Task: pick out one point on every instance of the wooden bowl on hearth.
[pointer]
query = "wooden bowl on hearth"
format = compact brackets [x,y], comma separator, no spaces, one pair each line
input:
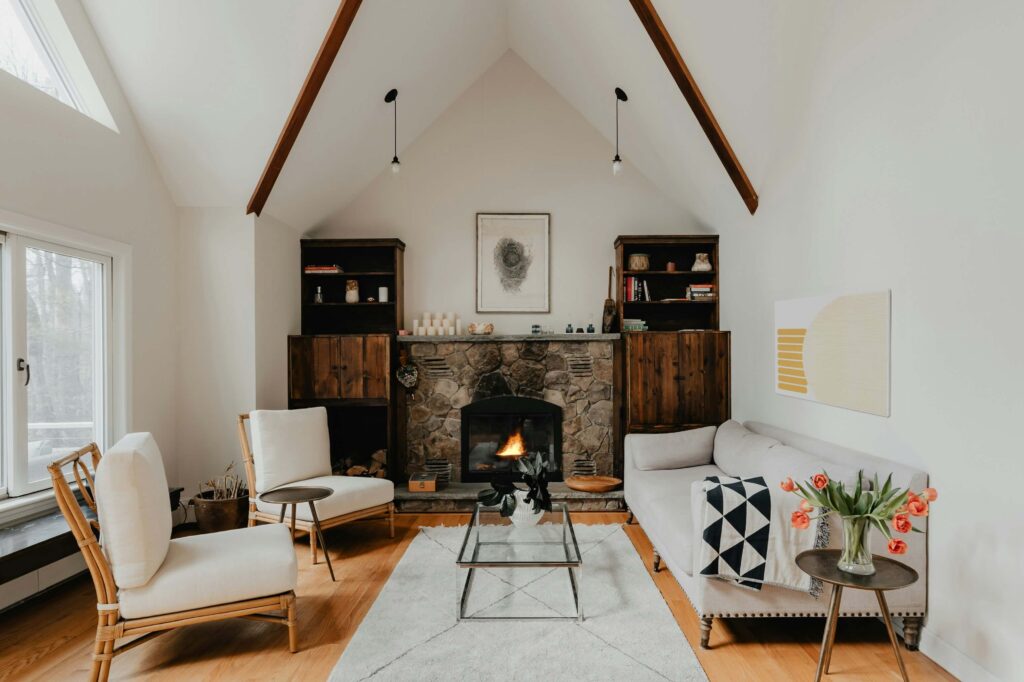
[593,484]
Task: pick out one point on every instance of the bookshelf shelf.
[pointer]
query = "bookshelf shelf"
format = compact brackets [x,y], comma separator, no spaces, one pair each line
[660,283]
[381,273]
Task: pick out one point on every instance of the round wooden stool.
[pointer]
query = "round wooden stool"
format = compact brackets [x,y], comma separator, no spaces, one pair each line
[298,495]
[889,575]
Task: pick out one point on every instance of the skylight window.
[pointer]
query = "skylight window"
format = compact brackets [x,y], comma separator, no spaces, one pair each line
[36,46]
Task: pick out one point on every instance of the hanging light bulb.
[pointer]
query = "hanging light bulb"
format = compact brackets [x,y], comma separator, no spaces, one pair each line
[620,96]
[392,98]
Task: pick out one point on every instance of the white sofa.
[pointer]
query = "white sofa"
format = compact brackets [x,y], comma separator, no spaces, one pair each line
[661,471]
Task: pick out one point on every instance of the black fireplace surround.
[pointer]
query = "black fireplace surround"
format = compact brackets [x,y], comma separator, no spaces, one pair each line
[488,424]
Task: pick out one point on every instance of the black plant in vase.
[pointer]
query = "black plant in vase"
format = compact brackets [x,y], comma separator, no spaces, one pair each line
[534,468]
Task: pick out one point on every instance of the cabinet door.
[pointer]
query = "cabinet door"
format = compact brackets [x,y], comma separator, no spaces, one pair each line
[325,367]
[351,378]
[377,367]
[704,377]
[652,367]
[300,367]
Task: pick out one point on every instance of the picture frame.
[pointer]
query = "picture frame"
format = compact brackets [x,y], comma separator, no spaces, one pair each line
[513,262]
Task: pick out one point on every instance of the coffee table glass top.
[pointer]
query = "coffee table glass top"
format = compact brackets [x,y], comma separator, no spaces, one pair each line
[493,541]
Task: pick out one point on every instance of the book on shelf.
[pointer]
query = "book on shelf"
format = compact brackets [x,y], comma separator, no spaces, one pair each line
[322,270]
[636,289]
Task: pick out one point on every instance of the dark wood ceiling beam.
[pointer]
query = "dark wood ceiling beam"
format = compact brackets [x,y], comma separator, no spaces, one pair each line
[688,86]
[343,19]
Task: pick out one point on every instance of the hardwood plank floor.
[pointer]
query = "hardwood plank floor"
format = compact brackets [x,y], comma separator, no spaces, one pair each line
[51,637]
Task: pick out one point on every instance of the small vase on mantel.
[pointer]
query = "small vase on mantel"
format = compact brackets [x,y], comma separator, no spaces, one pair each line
[856,555]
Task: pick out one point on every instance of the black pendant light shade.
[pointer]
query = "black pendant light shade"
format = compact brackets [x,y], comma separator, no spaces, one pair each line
[392,98]
[620,96]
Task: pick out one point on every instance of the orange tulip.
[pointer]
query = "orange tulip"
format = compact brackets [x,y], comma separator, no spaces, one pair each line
[806,506]
[930,494]
[901,522]
[819,481]
[918,507]
[788,485]
[897,546]
[800,520]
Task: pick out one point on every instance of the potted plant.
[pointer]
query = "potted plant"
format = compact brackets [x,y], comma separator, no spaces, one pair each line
[523,507]
[222,503]
[861,510]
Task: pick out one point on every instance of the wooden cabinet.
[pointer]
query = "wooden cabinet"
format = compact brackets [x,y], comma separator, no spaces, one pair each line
[676,380]
[340,367]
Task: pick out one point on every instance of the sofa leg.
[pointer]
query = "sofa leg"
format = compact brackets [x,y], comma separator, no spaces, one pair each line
[705,632]
[657,561]
[911,632]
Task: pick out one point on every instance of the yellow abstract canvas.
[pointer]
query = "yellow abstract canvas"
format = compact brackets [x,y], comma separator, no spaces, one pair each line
[835,350]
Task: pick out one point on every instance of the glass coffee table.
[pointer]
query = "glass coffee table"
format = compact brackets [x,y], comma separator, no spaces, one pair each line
[492,542]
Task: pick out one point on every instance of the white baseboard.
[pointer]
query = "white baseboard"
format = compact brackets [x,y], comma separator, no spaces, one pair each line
[952,659]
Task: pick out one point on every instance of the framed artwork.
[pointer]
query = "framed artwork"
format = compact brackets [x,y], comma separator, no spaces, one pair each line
[835,350]
[513,262]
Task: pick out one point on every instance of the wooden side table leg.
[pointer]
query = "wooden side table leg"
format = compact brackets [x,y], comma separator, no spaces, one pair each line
[887,619]
[294,506]
[281,518]
[829,638]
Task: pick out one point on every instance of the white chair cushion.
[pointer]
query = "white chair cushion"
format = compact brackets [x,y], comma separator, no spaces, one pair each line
[133,508]
[672,450]
[351,494]
[216,568]
[289,446]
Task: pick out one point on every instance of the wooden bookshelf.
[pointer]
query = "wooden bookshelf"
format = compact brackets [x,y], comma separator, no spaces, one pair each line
[661,314]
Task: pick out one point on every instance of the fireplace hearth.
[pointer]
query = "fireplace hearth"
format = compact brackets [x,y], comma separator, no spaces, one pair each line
[497,431]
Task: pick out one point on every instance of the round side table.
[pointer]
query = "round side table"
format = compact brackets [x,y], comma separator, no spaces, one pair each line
[295,496]
[889,575]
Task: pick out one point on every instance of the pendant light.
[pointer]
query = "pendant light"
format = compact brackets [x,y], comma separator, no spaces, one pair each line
[620,96]
[392,98]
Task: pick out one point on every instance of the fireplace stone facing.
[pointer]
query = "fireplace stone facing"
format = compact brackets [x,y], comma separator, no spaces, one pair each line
[578,374]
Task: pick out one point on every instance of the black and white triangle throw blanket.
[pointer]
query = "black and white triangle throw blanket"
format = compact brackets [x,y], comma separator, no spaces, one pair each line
[747,536]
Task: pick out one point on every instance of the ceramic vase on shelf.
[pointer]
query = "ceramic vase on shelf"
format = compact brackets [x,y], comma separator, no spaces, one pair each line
[639,261]
[524,516]
[856,555]
[351,291]
[702,263]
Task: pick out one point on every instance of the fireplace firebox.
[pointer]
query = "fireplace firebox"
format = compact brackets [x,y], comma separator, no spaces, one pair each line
[496,431]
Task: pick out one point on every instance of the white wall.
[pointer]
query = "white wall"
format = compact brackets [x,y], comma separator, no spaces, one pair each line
[61,166]
[216,339]
[906,176]
[277,308]
[509,143]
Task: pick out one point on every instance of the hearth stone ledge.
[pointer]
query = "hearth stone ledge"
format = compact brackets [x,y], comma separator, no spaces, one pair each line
[508,338]
[461,498]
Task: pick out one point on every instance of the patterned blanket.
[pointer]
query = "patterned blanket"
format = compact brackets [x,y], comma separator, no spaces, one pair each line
[748,538]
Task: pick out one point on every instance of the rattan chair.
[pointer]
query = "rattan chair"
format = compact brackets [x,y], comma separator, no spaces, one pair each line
[354,497]
[111,625]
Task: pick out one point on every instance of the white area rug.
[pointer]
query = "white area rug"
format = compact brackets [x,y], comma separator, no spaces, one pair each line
[411,632]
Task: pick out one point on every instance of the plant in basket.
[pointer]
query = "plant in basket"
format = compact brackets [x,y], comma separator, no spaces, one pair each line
[884,507]
[508,496]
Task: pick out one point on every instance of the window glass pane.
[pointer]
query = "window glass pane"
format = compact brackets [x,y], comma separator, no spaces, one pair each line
[64,324]
[22,53]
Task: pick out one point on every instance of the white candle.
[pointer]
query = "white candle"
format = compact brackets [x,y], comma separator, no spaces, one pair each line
[382,294]
[458,327]
[426,317]
[415,326]
[451,331]
[445,322]
[450,316]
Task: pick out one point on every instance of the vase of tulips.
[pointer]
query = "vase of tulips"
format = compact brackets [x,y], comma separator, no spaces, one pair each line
[884,507]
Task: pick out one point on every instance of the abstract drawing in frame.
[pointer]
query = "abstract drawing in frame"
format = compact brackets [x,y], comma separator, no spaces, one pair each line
[835,350]
[512,262]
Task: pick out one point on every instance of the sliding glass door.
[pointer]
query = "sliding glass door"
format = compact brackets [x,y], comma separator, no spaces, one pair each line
[57,359]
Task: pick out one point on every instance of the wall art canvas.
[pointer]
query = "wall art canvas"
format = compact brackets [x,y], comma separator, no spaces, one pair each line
[835,350]
[512,262]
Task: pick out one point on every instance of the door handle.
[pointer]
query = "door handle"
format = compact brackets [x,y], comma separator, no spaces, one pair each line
[26,368]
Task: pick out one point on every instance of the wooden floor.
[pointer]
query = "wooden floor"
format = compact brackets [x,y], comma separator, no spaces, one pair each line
[51,637]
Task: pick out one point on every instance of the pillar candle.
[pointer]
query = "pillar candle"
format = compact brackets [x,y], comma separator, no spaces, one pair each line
[458,327]
[415,326]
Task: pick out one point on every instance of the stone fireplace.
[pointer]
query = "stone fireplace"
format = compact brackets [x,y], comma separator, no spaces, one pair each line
[496,431]
[574,375]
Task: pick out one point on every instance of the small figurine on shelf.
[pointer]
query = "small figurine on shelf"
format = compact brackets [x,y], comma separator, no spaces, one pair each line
[590,328]
[702,263]
[568,328]
[351,291]
[318,297]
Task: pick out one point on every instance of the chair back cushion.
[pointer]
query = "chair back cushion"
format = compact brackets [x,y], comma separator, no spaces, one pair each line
[289,446]
[133,508]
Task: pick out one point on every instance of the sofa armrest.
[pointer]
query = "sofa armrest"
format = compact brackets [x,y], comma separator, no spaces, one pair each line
[675,450]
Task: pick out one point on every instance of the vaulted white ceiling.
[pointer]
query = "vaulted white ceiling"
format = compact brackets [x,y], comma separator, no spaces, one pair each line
[212,81]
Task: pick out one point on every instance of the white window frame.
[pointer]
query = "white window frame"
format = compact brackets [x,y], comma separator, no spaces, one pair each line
[117,304]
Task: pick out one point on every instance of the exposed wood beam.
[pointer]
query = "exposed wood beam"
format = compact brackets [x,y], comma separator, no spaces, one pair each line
[343,19]
[688,86]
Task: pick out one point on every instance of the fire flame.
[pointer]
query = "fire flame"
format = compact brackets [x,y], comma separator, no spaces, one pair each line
[514,446]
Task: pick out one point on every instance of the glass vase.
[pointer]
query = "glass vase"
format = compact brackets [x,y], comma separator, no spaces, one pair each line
[856,555]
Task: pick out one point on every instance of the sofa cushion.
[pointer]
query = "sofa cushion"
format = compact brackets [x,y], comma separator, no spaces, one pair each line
[672,450]
[661,502]
[289,446]
[216,568]
[739,452]
[351,494]
[134,516]
[783,461]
